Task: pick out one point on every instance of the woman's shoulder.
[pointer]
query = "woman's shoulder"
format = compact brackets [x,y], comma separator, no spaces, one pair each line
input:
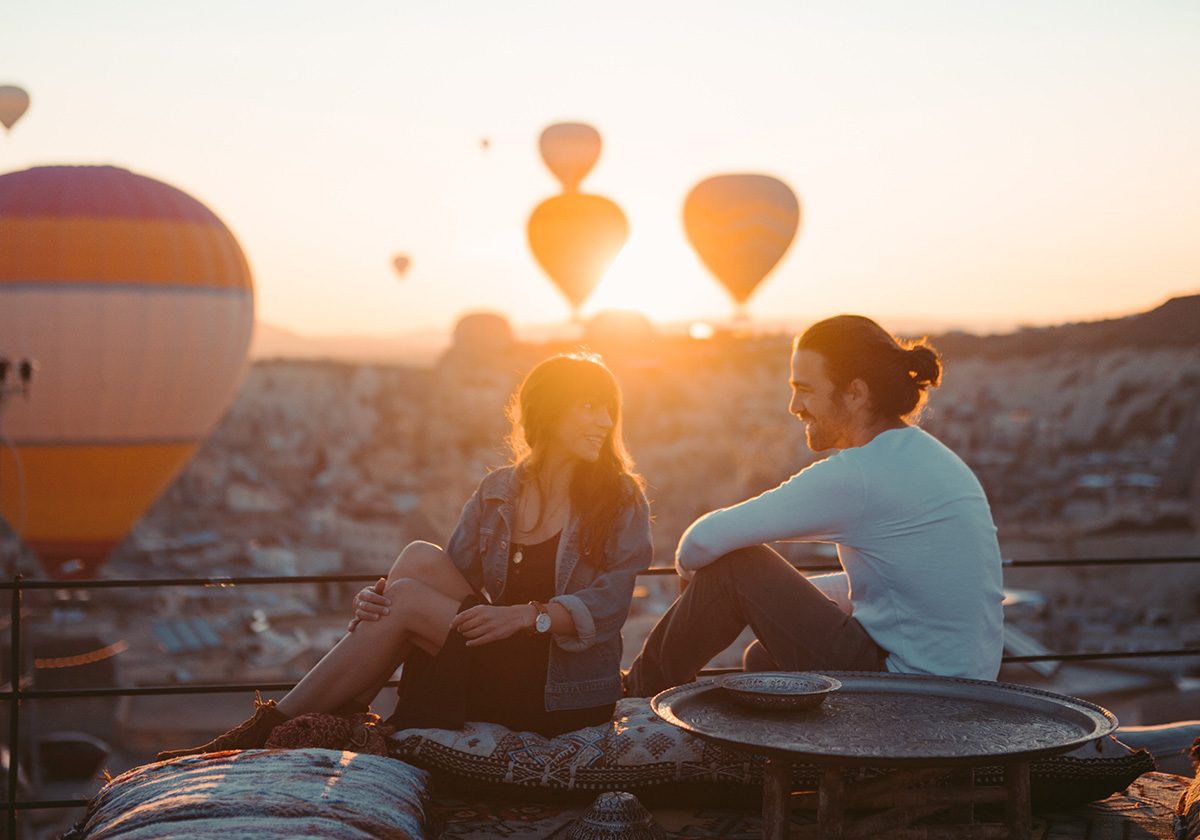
[633,492]
[499,482]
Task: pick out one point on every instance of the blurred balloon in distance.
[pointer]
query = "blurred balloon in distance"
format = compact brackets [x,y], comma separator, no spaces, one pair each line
[570,150]
[575,237]
[740,226]
[619,328]
[482,334]
[485,332]
[14,102]
[137,303]
[400,263]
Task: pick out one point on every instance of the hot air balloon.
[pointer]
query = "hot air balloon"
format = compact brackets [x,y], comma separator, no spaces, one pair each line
[570,150]
[137,303]
[13,103]
[401,262]
[575,238]
[741,225]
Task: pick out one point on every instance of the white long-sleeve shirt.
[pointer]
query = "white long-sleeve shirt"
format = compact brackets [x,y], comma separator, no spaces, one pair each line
[915,537]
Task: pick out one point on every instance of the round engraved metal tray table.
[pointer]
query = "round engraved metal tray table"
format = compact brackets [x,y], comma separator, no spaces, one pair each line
[923,726]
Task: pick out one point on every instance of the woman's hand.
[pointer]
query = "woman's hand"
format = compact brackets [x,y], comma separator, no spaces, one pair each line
[370,604]
[485,624]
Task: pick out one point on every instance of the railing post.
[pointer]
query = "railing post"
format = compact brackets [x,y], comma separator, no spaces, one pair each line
[14,707]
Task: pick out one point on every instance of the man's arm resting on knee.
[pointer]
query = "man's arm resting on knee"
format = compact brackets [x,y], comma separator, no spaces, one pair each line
[819,503]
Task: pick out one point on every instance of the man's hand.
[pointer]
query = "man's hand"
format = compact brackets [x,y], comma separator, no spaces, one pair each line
[370,604]
[485,624]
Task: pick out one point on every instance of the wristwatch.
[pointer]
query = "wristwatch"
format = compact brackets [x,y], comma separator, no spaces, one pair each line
[541,624]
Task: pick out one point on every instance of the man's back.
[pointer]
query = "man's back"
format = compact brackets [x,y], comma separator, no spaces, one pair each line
[922,561]
[914,534]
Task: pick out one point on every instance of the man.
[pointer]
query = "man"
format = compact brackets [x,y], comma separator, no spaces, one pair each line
[922,586]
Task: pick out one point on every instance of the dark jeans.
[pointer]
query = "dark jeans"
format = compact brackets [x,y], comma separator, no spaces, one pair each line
[800,628]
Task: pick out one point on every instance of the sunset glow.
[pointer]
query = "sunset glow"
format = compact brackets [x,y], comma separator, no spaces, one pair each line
[663,281]
[976,165]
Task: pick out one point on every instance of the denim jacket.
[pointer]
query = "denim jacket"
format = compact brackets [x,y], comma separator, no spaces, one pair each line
[584,667]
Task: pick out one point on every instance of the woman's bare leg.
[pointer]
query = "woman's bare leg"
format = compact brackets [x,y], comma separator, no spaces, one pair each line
[362,661]
[429,564]
[420,616]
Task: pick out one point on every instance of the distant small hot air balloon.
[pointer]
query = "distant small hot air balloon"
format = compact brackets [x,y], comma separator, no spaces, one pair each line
[570,150]
[400,263]
[13,103]
[741,225]
[136,301]
[575,238]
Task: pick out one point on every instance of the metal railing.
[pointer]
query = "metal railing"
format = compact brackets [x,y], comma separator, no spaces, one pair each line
[15,694]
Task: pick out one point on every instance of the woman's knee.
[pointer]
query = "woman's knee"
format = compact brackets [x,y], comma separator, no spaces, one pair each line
[420,609]
[415,560]
[405,593]
[405,589]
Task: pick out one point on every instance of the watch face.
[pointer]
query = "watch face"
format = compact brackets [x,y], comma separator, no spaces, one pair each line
[542,625]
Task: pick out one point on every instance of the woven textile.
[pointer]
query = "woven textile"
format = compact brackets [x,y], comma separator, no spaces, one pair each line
[638,749]
[262,794]
[361,733]
[1187,812]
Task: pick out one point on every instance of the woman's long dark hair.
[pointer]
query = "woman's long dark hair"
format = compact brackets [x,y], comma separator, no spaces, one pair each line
[598,490]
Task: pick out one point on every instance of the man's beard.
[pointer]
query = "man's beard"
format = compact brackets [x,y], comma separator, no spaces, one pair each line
[818,437]
[829,432]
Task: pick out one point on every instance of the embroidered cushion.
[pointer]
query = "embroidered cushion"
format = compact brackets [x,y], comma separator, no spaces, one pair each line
[638,750]
[1086,774]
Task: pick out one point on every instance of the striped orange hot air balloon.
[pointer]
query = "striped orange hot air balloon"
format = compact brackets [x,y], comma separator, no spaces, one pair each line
[136,302]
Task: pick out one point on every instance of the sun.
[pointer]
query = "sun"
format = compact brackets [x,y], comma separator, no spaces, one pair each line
[660,277]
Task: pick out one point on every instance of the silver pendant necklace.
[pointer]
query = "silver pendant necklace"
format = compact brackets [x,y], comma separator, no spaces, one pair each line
[519,548]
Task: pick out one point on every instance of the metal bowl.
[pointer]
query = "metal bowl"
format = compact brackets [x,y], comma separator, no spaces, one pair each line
[779,691]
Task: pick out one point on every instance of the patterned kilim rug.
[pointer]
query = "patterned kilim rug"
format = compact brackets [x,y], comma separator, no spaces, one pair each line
[1143,812]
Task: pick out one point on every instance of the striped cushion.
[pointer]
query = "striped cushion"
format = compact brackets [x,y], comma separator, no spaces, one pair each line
[261,794]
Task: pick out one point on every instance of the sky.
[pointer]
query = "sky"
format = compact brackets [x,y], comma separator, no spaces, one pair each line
[968,163]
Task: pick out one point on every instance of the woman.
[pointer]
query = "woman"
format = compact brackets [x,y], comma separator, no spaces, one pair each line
[518,621]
